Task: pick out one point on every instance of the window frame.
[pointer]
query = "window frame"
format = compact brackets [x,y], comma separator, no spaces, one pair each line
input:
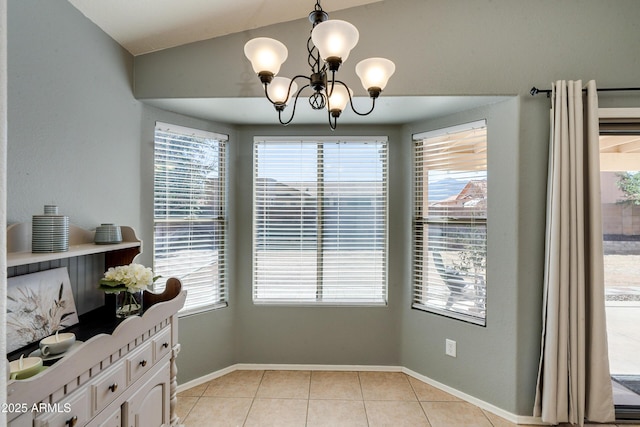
[421,250]
[219,220]
[332,302]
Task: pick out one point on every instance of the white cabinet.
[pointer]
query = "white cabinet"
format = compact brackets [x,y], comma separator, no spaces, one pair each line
[127,378]
[69,412]
[148,407]
[145,403]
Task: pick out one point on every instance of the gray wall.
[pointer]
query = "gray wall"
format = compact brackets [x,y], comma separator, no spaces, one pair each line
[458,47]
[73,130]
[3,188]
[74,124]
[486,362]
[78,137]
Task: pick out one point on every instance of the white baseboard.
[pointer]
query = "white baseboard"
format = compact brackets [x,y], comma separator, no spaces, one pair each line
[516,419]
[283,367]
[290,367]
[206,378]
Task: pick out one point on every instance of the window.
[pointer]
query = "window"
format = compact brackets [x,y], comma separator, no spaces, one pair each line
[450,222]
[189,214]
[620,197]
[320,221]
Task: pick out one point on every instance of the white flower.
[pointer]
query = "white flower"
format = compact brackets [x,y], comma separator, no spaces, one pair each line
[135,277]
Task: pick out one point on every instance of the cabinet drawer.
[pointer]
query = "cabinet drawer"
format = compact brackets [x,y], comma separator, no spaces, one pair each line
[162,344]
[108,418]
[115,420]
[69,412]
[108,386]
[24,420]
[140,362]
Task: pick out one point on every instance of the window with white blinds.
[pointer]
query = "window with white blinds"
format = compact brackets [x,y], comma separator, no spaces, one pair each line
[450,222]
[189,210]
[320,222]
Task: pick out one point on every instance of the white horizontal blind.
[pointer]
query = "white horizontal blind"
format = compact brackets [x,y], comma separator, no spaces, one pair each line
[450,222]
[320,222]
[190,214]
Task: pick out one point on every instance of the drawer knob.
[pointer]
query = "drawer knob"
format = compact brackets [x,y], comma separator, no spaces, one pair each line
[143,363]
[165,345]
[71,422]
[113,387]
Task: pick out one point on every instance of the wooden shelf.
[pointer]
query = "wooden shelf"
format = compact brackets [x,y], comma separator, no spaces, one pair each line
[80,243]
[21,258]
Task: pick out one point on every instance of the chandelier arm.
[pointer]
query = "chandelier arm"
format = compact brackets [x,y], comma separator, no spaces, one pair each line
[335,120]
[333,82]
[373,100]
[266,93]
[293,111]
[373,105]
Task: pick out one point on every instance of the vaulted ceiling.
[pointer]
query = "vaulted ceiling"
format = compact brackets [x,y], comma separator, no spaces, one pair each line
[143,26]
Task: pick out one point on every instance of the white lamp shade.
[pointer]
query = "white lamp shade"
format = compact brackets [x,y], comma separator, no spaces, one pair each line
[265,54]
[375,72]
[335,38]
[339,98]
[277,90]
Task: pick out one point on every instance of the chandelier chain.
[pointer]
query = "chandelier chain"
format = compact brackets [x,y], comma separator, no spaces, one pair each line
[314,60]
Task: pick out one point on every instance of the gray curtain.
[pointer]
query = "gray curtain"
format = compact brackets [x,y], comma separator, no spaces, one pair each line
[573,378]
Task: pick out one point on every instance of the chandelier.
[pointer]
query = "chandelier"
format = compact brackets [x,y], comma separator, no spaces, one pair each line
[329,46]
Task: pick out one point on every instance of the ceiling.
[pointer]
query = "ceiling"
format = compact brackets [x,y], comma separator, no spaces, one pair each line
[144,26]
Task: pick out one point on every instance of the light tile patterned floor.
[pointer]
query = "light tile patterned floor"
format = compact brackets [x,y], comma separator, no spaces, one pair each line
[324,398]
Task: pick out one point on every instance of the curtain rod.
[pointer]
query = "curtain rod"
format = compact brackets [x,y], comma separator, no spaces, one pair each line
[534,90]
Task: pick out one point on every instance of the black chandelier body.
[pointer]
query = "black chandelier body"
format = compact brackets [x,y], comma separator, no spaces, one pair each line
[336,39]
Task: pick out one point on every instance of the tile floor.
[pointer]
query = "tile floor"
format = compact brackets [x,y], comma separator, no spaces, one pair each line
[327,398]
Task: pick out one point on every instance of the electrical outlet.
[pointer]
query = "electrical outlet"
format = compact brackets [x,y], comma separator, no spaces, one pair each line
[450,347]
